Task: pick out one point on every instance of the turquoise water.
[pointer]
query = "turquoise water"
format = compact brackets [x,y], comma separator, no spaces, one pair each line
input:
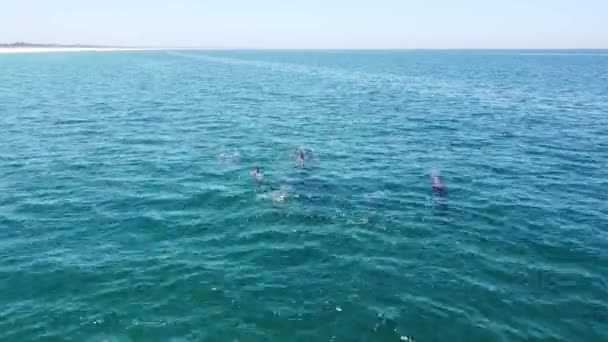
[127,212]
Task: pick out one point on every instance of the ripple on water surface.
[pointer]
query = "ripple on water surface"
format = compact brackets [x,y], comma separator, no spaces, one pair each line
[128,212]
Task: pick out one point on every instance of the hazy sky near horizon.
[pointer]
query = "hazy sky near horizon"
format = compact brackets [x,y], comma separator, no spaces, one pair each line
[310,23]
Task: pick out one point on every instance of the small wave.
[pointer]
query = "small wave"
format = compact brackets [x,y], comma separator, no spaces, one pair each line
[109,338]
[229,157]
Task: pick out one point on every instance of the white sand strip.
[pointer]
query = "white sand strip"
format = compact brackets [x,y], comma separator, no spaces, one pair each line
[13,50]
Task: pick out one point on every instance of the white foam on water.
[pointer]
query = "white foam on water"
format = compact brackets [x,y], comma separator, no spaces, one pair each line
[230,157]
[109,338]
[279,195]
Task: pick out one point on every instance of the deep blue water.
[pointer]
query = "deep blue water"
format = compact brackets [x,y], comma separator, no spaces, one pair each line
[127,212]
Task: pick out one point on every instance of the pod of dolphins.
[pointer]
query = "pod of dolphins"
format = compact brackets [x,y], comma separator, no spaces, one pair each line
[438,184]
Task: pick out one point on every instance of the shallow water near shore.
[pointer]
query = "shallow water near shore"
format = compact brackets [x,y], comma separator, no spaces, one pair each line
[127,211]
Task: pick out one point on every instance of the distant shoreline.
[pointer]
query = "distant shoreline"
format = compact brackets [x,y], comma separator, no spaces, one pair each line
[37,49]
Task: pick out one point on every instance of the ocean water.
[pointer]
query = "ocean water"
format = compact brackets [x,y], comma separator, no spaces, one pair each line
[127,212]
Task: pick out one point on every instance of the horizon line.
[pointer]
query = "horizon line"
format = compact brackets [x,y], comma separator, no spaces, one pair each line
[252,48]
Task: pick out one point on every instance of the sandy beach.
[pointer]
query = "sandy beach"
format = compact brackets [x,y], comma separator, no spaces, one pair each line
[17,50]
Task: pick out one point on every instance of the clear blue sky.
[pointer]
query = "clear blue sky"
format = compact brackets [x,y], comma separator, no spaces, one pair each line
[310,23]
